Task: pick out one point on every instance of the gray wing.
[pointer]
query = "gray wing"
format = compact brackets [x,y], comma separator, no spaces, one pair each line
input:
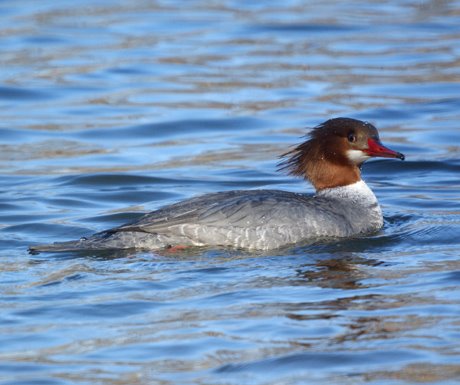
[247,209]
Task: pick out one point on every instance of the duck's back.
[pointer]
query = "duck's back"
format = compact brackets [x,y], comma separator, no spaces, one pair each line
[255,219]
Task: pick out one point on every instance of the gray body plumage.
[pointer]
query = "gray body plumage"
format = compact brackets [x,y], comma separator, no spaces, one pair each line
[254,219]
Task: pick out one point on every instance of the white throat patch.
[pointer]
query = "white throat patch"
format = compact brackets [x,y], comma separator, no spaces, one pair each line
[357,156]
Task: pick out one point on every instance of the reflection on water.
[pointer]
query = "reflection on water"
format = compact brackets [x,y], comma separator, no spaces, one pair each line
[342,272]
[109,110]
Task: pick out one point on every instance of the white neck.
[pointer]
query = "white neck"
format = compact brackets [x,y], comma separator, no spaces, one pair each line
[359,204]
[355,191]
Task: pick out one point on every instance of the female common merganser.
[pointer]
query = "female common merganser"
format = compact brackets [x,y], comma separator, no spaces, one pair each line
[343,205]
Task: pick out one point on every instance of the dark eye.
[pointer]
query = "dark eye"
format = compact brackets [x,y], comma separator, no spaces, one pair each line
[351,137]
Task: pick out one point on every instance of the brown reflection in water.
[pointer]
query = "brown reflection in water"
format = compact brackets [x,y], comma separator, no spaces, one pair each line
[419,373]
[375,328]
[49,149]
[338,273]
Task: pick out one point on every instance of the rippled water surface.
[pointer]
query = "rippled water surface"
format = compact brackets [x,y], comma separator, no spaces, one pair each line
[110,109]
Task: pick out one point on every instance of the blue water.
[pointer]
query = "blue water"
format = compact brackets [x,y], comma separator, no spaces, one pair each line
[110,109]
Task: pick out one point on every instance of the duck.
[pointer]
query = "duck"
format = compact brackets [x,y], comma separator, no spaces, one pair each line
[343,206]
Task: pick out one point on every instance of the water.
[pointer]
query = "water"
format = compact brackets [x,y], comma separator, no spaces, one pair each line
[111,109]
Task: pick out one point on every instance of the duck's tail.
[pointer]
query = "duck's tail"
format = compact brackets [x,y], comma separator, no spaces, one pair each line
[59,247]
[107,240]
